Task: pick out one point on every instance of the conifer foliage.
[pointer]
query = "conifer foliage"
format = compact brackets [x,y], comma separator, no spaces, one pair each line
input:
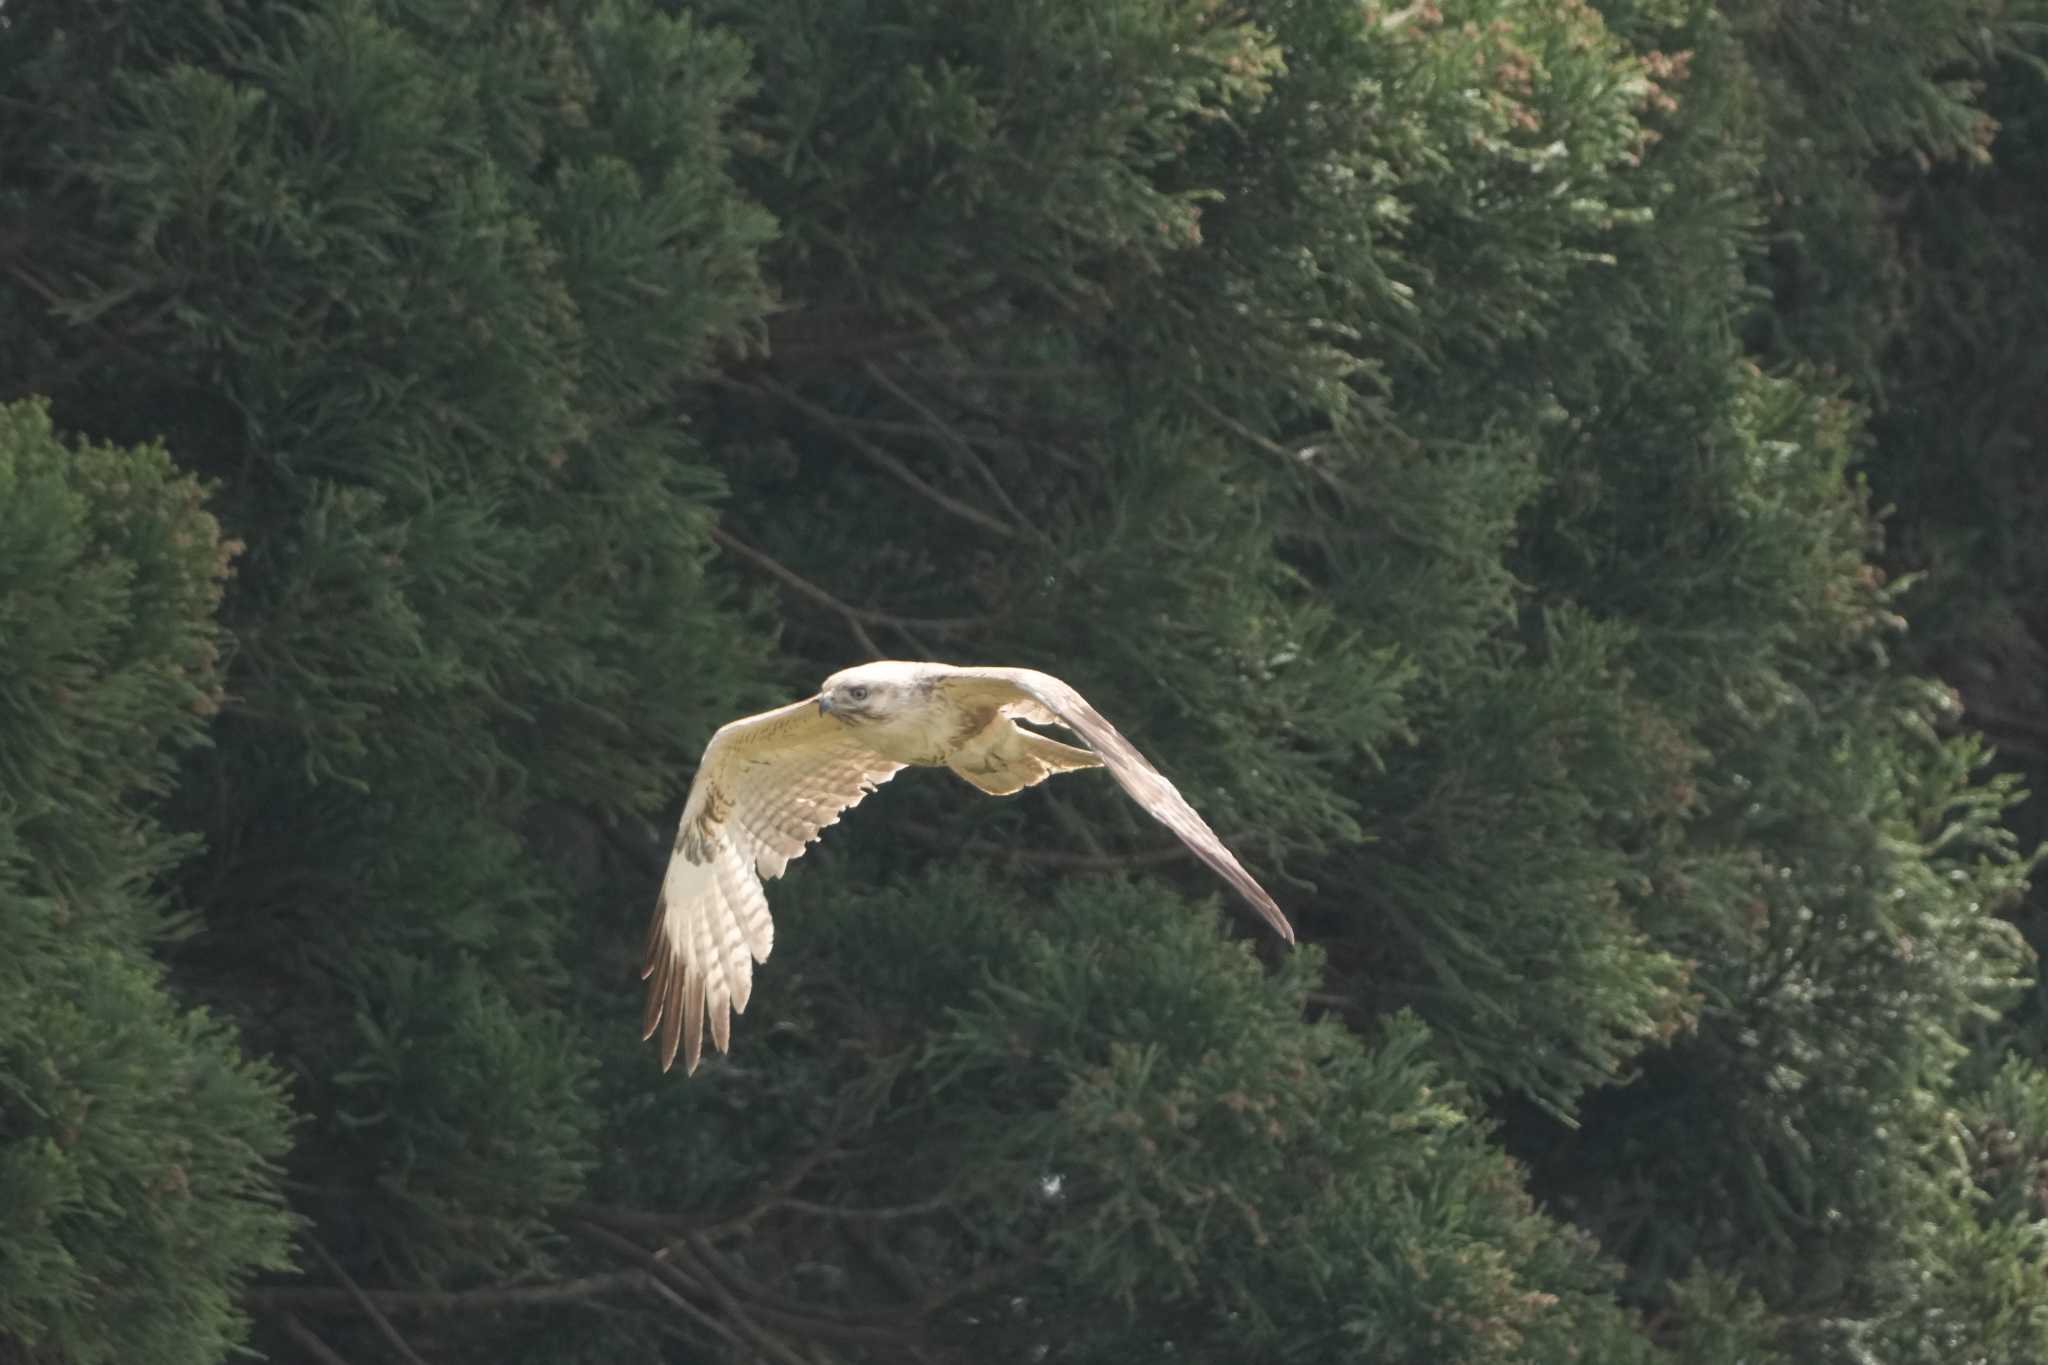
[427,421]
[137,1146]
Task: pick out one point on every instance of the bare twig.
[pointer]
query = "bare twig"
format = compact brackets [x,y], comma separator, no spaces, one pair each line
[304,1335]
[108,341]
[826,334]
[941,625]
[662,1224]
[662,1268]
[659,1264]
[961,446]
[1231,424]
[1059,858]
[693,1312]
[2012,732]
[1080,862]
[903,473]
[866,1238]
[983,1280]
[1032,431]
[1023,374]
[719,1273]
[891,426]
[655,1262]
[867,641]
[677,1224]
[1291,458]
[285,1298]
[348,1282]
[36,285]
[1345,493]
[660,1277]
[882,1214]
[1084,830]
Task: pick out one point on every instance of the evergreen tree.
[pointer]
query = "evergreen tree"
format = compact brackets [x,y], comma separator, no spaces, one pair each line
[1924,291]
[1956,378]
[137,1146]
[1353,402]
[407,281]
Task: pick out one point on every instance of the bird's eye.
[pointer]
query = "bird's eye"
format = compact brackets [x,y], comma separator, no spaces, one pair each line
[857,693]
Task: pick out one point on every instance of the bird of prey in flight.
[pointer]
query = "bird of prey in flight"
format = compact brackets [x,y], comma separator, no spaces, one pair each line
[768,784]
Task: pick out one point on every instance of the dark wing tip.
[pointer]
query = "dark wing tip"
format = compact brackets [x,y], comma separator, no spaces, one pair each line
[657,1002]
[1145,784]
[671,1013]
[1278,919]
[657,937]
[1256,897]
[692,1012]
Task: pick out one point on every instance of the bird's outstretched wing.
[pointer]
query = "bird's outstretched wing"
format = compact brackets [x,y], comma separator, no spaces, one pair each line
[1044,699]
[766,787]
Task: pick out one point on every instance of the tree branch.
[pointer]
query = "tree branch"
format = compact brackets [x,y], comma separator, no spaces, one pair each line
[903,473]
[856,617]
[1345,493]
[1052,857]
[284,1298]
[656,1262]
[960,445]
[304,1335]
[1293,459]
[724,1279]
[827,334]
[866,1239]
[2012,732]
[983,1280]
[693,1312]
[348,1282]
[1079,862]
[881,1214]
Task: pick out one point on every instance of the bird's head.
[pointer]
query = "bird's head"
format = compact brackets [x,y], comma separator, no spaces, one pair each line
[870,693]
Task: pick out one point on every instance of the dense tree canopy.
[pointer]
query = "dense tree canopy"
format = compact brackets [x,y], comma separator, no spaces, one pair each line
[1456,440]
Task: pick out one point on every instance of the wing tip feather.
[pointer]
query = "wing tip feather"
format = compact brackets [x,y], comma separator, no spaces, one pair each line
[1143,782]
[657,937]
[672,1017]
[657,1001]
[692,1022]
[1276,917]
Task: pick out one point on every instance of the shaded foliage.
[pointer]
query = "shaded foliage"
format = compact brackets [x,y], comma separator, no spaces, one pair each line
[137,1147]
[1432,432]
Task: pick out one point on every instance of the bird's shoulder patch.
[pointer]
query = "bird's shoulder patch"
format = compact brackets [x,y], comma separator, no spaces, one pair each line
[697,839]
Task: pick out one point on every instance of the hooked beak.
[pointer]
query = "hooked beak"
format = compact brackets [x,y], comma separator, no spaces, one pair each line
[824,705]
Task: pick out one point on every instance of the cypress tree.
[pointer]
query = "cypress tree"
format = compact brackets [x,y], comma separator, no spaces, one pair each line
[1353,402]
[138,1147]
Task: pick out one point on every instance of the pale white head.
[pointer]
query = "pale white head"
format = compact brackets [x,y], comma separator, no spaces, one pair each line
[874,692]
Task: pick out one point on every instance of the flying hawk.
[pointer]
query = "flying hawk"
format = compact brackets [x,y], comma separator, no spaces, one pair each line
[768,784]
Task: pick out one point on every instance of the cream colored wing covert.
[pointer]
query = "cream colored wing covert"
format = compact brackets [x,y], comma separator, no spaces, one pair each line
[765,789]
